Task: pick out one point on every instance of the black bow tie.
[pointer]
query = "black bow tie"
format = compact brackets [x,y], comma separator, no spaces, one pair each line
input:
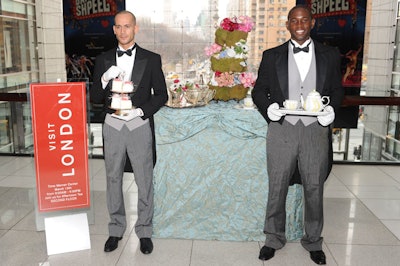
[299,49]
[127,52]
[121,53]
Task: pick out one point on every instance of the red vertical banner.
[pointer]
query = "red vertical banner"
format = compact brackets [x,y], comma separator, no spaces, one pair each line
[60,145]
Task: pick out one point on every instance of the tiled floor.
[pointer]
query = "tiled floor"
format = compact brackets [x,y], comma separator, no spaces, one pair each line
[362,225]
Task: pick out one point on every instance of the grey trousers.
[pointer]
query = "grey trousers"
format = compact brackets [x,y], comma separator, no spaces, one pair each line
[307,146]
[138,145]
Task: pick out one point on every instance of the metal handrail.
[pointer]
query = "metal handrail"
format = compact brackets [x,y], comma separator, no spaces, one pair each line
[354,100]
[13,97]
[349,100]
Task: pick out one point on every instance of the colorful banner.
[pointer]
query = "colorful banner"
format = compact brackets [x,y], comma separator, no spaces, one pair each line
[60,145]
[87,33]
[332,8]
[341,23]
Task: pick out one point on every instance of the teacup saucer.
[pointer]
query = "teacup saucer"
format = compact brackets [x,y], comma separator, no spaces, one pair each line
[242,106]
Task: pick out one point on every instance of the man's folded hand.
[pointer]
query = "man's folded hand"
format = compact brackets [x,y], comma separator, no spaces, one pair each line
[273,112]
[328,116]
[129,115]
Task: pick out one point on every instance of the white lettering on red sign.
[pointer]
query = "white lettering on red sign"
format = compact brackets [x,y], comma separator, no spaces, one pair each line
[66,129]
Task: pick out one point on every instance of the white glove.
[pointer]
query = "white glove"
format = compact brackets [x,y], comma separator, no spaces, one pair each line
[129,115]
[328,116]
[111,73]
[273,112]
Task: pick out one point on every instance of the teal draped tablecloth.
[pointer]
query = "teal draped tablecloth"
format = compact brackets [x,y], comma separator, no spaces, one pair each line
[210,178]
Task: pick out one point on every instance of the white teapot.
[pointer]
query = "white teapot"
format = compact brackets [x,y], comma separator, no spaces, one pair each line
[314,102]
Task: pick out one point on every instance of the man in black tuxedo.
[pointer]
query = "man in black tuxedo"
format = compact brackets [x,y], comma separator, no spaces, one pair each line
[291,71]
[130,135]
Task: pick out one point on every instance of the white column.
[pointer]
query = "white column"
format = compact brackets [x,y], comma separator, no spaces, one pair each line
[50,32]
[382,32]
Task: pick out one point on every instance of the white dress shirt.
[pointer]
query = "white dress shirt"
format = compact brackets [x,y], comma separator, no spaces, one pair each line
[303,59]
[126,62]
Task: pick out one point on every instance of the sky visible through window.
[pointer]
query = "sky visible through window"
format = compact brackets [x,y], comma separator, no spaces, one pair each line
[154,9]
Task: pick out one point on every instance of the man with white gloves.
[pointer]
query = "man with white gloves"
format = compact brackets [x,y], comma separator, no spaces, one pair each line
[291,71]
[132,133]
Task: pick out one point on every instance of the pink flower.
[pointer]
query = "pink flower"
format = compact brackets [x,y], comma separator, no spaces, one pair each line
[247,79]
[214,48]
[224,79]
[244,23]
[229,24]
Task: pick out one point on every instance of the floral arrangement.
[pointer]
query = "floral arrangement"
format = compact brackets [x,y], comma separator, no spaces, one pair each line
[183,92]
[228,57]
[182,85]
[229,79]
[243,23]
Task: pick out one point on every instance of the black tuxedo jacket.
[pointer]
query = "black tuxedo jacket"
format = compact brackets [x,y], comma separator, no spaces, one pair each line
[147,75]
[272,84]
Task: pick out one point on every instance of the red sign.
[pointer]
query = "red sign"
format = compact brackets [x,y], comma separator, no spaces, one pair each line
[60,145]
[84,9]
[332,7]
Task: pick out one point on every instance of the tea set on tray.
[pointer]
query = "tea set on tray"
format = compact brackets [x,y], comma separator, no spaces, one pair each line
[312,106]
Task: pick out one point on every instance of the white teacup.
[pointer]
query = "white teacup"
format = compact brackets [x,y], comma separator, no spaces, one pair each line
[291,104]
[248,102]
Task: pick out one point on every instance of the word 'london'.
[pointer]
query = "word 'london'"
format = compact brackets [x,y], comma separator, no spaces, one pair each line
[65,130]
[318,6]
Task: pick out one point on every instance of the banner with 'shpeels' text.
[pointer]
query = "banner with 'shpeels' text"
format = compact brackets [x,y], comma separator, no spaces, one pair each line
[59,121]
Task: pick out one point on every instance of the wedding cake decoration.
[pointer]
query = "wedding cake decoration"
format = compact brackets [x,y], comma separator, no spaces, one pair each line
[228,57]
[121,86]
[121,95]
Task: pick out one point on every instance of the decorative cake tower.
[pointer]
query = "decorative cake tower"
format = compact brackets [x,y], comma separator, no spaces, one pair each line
[228,59]
[121,97]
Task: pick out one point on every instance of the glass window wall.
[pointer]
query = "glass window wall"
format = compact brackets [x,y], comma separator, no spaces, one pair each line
[18,68]
[392,139]
[179,31]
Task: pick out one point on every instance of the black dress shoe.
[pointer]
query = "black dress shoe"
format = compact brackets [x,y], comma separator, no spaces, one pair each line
[318,257]
[266,253]
[146,245]
[111,243]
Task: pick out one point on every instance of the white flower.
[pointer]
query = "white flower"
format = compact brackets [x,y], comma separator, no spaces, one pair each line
[175,86]
[239,44]
[230,52]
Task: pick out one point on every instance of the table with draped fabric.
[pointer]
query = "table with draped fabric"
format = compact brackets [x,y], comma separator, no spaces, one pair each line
[210,177]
